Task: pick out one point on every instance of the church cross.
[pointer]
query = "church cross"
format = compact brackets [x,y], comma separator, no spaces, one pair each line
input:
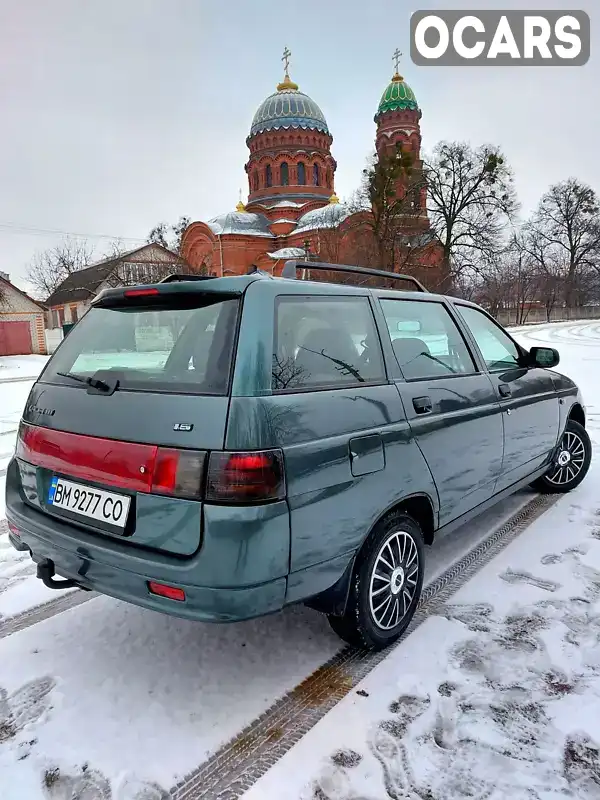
[396,59]
[286,59]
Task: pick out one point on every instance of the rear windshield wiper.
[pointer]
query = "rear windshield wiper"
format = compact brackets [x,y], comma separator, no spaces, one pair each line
[95,383]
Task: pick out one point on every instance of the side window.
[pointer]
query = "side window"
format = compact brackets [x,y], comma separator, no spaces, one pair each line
[425,339]
[498,350]
[325,342]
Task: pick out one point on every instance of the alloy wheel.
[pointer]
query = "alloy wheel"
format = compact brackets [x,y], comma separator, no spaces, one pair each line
[569,461]
[394,580]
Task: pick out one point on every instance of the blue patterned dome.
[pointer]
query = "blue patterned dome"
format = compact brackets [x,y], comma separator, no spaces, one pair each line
[288,108]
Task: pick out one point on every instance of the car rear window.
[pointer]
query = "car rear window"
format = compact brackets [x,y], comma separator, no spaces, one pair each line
[166,348]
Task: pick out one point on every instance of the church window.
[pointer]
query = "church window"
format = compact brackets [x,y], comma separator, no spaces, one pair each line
[316,174]
[285,174]
[301,173]
[268,176]
[255,180]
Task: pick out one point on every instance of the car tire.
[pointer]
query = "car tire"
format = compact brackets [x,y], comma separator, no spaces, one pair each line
[386,585]
[571,463]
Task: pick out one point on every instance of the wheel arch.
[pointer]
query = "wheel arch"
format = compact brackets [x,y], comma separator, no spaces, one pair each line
[420,507]
[577,414]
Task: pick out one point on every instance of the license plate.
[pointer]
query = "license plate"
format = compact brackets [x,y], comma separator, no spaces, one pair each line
[88,502]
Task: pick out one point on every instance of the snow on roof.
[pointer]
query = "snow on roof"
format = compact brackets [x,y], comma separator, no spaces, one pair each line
[288,252]
[242,222]
[282,219]
[284,204]
[330,216]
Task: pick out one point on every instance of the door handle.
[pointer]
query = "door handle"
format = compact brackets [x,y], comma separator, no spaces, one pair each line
[422,405]
[505,390]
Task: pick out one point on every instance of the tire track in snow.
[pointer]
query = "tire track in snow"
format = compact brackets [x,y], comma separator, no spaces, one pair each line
[44,611]
[234,768]
[65,601]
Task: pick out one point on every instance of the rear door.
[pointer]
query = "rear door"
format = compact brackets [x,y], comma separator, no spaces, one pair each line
[527,397]
[128,405]
[328,403]
[451,405]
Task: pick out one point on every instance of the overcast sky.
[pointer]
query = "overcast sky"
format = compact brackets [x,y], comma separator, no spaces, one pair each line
[118,114]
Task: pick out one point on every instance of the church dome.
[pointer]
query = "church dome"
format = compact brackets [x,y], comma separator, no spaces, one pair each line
[398,96]
[288,108]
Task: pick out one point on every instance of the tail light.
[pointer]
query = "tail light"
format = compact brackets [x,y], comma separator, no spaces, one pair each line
[178,472]
[124,465]
[140,292]
[253,477]
[164,590]
[237,478]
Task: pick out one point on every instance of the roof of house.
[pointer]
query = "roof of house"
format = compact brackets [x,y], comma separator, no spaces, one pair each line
[41,306]
[84,283]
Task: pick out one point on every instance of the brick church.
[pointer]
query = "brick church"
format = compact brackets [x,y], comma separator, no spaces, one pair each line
[292,210]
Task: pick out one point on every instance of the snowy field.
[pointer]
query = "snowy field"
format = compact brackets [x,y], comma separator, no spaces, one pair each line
[495,696]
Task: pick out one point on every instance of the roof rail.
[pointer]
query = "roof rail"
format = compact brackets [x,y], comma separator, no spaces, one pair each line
[290,267]
[177,276]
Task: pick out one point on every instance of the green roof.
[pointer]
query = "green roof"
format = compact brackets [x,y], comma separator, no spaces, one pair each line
[398,96]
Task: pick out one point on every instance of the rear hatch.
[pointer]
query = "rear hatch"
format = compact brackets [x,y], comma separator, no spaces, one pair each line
[116,431]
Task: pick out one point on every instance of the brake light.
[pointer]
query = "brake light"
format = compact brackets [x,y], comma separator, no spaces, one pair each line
[14,530]
[163,590]
[253,477]
[126,465]
[178,472]
[140,292]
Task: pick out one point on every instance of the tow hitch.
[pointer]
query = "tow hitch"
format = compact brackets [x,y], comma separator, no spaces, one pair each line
[45,572]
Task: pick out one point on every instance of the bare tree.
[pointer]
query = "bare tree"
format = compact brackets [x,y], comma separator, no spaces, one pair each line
[48,269]
[389,199]
[169,236]
[563,236]
[471,199]
[523,275]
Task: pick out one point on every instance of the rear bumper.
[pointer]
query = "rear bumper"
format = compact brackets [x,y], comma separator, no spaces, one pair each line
[96,566]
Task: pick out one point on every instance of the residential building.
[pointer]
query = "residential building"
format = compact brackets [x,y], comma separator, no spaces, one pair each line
[21,321]
[71,299]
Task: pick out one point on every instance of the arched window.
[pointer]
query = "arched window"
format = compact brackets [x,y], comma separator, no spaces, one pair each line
[316,174]
[301,173]
[255,180]
[268,176]
[285,173]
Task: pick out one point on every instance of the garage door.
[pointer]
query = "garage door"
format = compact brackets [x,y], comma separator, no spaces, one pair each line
[15,339]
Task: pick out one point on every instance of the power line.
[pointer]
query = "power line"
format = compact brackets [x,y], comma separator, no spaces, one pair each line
[15,228]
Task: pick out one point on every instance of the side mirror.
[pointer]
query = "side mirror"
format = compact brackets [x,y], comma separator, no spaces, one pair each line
[544,357]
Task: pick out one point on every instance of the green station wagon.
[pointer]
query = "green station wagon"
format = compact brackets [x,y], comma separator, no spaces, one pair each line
[220,448]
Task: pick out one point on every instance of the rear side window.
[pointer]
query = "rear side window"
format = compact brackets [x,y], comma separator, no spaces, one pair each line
[426,341]
[325,342]
[167,348]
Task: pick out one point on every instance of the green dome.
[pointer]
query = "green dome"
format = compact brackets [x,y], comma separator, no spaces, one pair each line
[397,97]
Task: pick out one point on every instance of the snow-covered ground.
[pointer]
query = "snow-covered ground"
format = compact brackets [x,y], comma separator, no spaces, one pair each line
[19,589]
[21,367]
[496,696]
